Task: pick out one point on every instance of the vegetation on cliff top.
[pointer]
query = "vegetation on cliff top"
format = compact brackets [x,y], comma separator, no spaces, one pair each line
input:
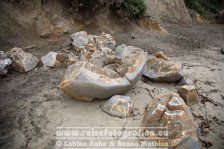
[132,8]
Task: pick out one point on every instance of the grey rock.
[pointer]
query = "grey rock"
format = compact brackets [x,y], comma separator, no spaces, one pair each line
[23,61]
[80,39]
[50,60]
[119,106]
[84,81]
[163,71]
[135,58]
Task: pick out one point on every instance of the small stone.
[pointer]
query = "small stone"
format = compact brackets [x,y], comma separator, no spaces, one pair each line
[51,59]
[189,94]
[132,36]
[119,106]
[23,61]
[160,54]
[45,34]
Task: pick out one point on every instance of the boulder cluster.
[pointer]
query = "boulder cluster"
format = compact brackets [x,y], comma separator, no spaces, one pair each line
[98,69]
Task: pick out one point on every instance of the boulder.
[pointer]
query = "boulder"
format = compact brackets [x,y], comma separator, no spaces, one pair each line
[5,63]
[85,76]
[82,77]
[23,61]
[170,111]
[119,106]
[160,70]
[189,94]
[53,59]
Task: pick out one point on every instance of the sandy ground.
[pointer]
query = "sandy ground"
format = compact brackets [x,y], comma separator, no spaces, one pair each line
[32,104]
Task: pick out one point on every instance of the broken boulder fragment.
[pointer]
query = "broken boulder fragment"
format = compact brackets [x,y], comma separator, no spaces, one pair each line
[119,106]
[52,59]
[79,39]
[23,61]
[162,71]
[170,111]
[5,63]
[189,94]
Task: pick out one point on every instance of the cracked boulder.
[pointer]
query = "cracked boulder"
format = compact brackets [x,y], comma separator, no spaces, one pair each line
[5,63]
[170,111]
[189,94]
[158,69]
[119,106]
[23,61]
[84,76]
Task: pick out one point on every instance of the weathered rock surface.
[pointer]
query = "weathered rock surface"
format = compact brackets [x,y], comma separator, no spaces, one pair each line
[23,61]
[189,94]
[52,59]
[104,72]
[168,11]
[170,111]
[119,106]
[105,40]
[5,63]
[162,71]
[79,39]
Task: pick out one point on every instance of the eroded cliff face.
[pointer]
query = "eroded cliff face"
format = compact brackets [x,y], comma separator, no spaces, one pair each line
[168,11]
[32,21]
